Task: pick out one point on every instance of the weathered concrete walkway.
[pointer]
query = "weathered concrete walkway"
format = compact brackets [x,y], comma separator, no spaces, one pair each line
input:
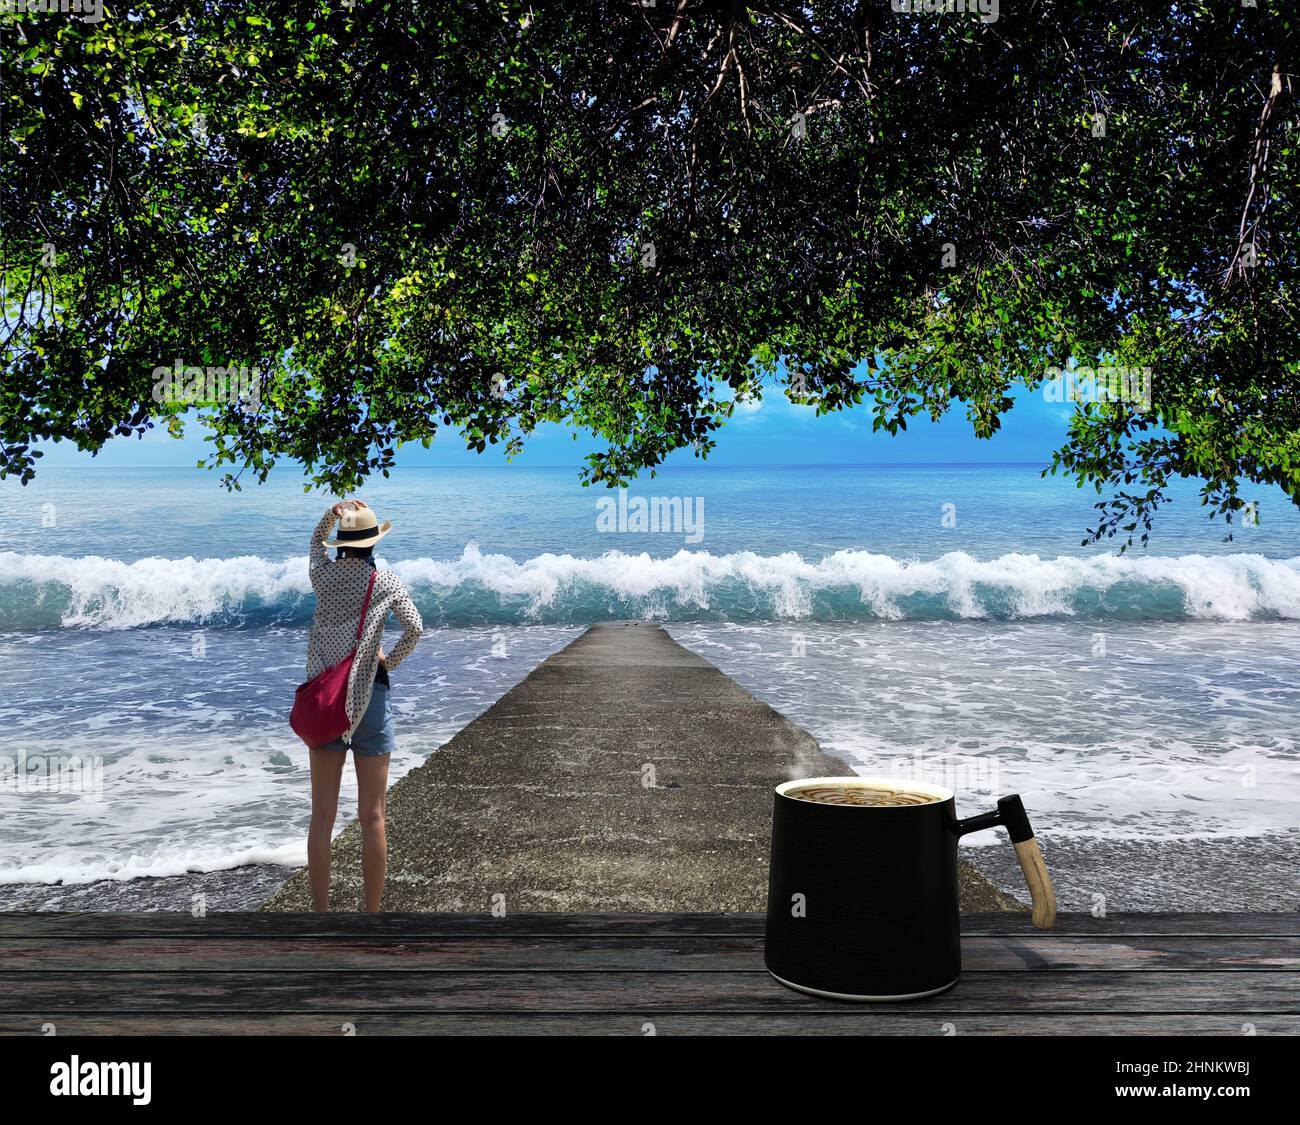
[623,774]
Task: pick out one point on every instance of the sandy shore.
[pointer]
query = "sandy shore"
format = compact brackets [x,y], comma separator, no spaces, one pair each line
[1168,875]
[1196,875]
[240,888]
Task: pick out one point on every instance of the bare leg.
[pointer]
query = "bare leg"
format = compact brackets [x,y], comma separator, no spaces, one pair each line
[372,789]
[326,774]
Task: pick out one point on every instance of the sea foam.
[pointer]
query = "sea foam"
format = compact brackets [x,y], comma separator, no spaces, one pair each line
[52,591]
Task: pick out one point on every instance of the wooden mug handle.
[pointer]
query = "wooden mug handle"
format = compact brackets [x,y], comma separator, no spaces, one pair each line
[1039,882]
[1011,815]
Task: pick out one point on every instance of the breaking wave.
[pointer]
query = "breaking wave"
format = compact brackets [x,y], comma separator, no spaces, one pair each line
[54,591]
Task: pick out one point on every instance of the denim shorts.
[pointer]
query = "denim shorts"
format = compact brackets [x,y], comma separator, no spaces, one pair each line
[374,735]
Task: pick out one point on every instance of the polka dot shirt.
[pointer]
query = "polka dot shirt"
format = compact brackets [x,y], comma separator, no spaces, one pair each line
[340,586]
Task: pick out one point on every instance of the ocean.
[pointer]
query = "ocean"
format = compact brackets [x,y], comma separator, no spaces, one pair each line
[942,622]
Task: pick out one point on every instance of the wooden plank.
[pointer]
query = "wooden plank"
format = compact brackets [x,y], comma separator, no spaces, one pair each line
[847,1019]
[1263,924]
[1035,952]
[393,925]
[53,993]
[258,924]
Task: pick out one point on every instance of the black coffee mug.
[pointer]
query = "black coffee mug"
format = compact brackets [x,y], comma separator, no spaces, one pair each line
[862,899]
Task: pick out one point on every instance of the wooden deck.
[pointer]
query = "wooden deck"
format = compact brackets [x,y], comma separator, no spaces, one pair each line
[622,974]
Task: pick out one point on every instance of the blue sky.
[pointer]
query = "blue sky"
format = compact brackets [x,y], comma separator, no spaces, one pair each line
[772,432]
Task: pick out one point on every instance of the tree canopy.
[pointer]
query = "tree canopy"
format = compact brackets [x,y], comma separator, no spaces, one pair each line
[482,216]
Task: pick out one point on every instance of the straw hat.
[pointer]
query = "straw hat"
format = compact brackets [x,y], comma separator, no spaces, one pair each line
[358,527]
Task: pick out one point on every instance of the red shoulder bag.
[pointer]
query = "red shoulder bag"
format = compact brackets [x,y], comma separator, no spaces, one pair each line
[320,711]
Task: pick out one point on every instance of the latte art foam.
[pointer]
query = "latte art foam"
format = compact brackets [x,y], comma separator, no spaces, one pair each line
[863,795]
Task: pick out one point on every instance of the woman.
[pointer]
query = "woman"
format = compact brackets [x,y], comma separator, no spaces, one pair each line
[340,586]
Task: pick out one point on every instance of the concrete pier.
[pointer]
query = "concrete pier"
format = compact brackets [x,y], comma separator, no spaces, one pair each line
[623,774]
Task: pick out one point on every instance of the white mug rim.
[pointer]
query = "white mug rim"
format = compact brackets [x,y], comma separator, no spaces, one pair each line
[938,792]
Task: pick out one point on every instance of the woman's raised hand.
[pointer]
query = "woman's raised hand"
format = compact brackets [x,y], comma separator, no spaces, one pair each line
[346,505]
